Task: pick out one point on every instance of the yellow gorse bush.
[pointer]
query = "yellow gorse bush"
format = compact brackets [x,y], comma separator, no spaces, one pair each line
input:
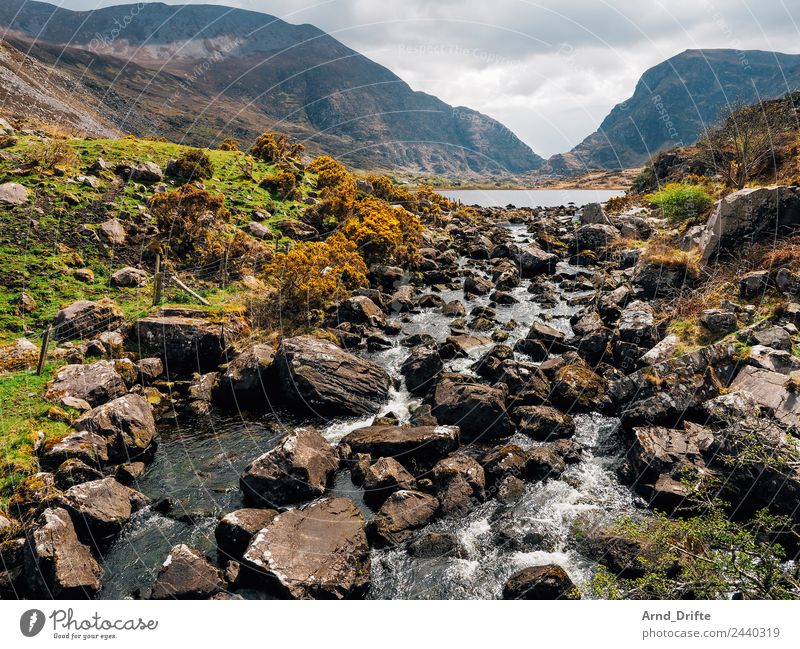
[384,233]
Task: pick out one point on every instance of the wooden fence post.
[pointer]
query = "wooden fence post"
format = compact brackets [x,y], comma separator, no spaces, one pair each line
[158,280]
[43,350]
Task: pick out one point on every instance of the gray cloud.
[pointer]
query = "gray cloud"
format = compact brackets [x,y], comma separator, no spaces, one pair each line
[550,70]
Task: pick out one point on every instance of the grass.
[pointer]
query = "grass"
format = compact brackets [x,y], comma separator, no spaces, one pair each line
[681,202]
[23,414]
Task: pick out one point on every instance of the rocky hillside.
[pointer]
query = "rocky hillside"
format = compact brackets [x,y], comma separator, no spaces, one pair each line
[192,73]
[348,389]
[675,101]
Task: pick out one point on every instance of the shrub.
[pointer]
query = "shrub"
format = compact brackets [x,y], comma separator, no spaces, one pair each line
[192,223]
[384,233]
[193,164]
[680,201]
[385,189]
[282,183]
[51,155]
[229,144]
[659,253]
[275,147]
[313,274]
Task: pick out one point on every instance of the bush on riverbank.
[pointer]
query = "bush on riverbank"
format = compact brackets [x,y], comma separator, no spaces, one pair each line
[681,201]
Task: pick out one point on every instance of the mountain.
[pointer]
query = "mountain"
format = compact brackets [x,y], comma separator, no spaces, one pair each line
[676,100]
[198,72]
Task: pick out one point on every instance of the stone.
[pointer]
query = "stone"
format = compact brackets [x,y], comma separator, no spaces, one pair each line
[187,574]
[13,194]
[146,172]
[657,451]
[540,582]
[543,463]
[477,409]
[360,310]
[85,275]
[754,284]
[403,512]
[475,285]
[57,564]
[503,461]
[454,309]
[488,366]
[637,325]
[775,337]
[544,423]
[297,469]
[435,545]
[126,424]
[719,321]
[411,445]
[383,478]
[85,446]
[664,350]
[773,360]
[84,319]
[95,383]
[74,471]
[595,237]
[534,261]
[129,277]
[260,231]
[129,473]
[465,343]
[113,232]
[320,377]
[296,229]
[576,387]
[101,508]
[236,530]
[150,369]
[459,481]
[743,218]
[319,552]
[249,375]
[771,390]
[421,369]
[593,214]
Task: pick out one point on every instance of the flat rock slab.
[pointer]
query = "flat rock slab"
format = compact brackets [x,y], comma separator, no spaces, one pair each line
[424,445]
[319,552]
[770,391]
[187,574]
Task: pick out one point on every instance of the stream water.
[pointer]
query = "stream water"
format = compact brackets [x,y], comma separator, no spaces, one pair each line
[198,466]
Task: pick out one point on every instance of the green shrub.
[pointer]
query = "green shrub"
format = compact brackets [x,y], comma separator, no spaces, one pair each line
[194,164]
[680,201]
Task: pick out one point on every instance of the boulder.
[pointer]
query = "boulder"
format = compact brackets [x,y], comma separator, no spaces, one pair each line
[403,512]
[718,321]
[250,376]
[126,424]
[655,276]
[383,478]
[773,360]
[113,232]
[533,261]
[459,481]
[319,552]
[149,369]
[260,231]
[488,366]
[543,463]
[297,469]
[319,376]
[296,229]
[435,545]
[754,284]
[747,216]
[576,387]
[421,369]
[100,508]
[360,310]
[146,172]
[95,383]
[32,495]
[774,337]
[477,409]
[593,214]
[57,564]
[637,325]
[85,446]
[237,529]
[74,471]
[463,344]
[13,194]
[187,340]
[771,390]
[543,423]
[84,319]
[420,446]
[663,351]
[595,237]
[503,461]
[187,574]
[129,277]
[540,582]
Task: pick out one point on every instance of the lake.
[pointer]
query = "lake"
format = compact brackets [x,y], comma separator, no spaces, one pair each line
[530,197]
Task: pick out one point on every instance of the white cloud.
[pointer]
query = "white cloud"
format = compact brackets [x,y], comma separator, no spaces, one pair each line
[550,70]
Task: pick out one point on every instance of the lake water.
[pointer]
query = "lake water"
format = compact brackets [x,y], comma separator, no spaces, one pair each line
[530,197]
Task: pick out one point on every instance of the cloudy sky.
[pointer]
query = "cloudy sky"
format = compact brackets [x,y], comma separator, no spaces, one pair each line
[549,70]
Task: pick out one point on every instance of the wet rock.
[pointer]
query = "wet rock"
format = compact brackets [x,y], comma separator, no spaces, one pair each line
[84,319]
[297,469]
[543,423]
[387,278]
[576,387]
[129,277]
[187,340]
[542,463]
[477,409]
[656,450]
[100,508]
[459,482]
[319,376]
[402,513]
[718,321]
[360,310]
[553,339]
[73,471]
[57,564]
[454,309]
[85,446]
[503,461]
[510,489]
[129,473]
[475,285]
[568,450]
[94,383]
[421,369]
[540,582]
[654,278]
[187,574]
[319,552]
[126,424]
[434,545]
[533,261]
[403,299]
[595,238]
[249,377]
[488,366]
[527,384]
[414,445]
[743,217]
[383,478]
[464,343]
[594,336]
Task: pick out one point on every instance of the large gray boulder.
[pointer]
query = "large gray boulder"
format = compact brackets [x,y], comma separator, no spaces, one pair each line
[95,383]
[126,424]
[100,508]
[771,390]
[249,376]
[401,515]
[747,216]
[237,529]
[417,445]
[318,376]
[57,564]
[297,469]
[477,409]
[84,319]
[319,552]
[187,574]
